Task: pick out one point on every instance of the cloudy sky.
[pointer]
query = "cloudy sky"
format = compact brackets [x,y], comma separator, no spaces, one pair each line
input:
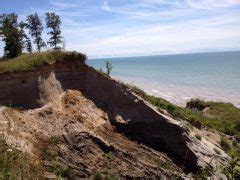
[115,28]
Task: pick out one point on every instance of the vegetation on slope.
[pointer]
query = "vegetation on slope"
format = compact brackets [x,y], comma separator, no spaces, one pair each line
[16,165]
[31,61]
[223,117]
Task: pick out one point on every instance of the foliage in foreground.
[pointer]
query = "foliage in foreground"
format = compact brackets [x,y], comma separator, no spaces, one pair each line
[231,169]
[32,61]
[223,117]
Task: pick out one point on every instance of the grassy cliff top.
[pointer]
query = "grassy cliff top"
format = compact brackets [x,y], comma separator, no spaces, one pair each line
[31,61]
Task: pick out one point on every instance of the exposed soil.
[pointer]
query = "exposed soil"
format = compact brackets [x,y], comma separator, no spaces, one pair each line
[78,123]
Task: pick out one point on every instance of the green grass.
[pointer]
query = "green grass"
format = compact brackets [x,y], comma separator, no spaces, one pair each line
[32,61]
[224,117]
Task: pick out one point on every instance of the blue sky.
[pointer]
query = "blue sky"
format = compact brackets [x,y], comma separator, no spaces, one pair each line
[114,28]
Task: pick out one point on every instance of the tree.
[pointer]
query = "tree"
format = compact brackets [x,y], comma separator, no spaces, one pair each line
[53,22]
[1,22]
[28,44]
[11,35]
[109,67]
[34,24]
[27,41]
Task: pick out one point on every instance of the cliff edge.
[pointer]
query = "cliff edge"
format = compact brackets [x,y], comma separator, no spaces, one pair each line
[71,120]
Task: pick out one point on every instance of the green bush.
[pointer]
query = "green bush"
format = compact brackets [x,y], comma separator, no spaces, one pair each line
[197,104]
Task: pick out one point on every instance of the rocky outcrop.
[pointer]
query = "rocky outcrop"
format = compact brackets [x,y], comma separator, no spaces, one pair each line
[100,116]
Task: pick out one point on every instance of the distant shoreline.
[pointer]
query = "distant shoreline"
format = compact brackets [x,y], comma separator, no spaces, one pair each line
[167,94]
[213,76]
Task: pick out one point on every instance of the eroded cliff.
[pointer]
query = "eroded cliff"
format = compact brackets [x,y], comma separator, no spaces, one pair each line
[67,115]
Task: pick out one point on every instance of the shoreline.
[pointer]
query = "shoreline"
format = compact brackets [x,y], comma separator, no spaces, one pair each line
[180,95]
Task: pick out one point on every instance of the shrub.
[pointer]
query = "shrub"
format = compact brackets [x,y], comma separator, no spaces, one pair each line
[197,104]
[231,169]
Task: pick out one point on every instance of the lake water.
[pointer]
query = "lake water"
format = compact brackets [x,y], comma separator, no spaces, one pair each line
[178,78]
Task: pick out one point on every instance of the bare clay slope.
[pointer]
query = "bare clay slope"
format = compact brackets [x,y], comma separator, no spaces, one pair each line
[89,123]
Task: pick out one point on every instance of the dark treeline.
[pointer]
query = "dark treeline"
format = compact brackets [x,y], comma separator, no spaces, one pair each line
[19,36]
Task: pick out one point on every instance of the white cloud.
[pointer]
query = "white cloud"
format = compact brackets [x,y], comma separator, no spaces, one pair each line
[211,4]
[106,6]
[175,38]
[144,27]
[58,5]
[170,2]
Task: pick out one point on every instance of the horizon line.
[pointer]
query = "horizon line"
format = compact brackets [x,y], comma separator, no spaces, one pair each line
[167,54]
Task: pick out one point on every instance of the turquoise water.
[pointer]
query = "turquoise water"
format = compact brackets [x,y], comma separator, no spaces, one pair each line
[177,78]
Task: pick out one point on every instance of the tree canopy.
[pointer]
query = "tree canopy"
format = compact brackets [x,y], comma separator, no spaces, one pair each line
[53,22]
[11,35]
[15,36]
[34,24]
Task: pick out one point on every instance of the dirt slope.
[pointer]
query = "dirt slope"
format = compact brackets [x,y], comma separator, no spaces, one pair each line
[76,122]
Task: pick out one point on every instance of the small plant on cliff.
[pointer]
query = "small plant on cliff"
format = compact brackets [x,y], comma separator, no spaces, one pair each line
[109,67]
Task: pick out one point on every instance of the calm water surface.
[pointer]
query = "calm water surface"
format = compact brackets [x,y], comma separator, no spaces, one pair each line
[177,78]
